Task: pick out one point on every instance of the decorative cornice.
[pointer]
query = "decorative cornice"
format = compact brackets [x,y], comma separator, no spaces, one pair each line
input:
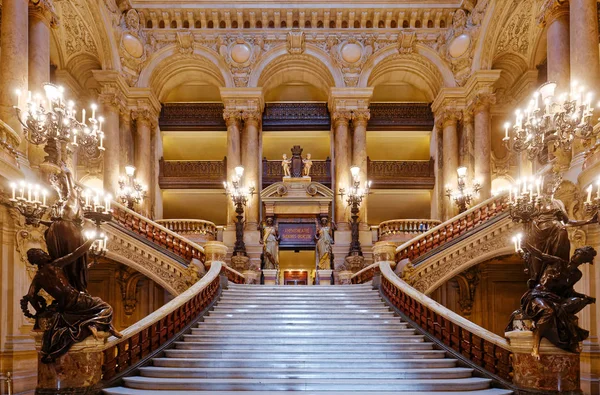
[46,10]
[551,10]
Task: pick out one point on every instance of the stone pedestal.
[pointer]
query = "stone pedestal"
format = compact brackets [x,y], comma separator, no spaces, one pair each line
[385,251]
[270,276]
[214,251]
[252,276]
[355,263]
[76,372]
[345,277]
[556,372]
[324,277]
[240,263]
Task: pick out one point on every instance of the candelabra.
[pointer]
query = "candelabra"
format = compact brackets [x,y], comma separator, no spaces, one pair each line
[356,194]
[592,204]
[526,200]
[464,196]
[51,121]
[131,191]
[30,200]
[96,206]
[239,196]
[554,121]
[98,248]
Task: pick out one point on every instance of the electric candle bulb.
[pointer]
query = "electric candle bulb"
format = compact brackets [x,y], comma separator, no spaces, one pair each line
[93,111]
[13,186]
[589,194]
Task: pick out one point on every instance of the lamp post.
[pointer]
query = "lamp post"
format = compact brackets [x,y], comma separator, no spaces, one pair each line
[356,195]
[239,196]
[131,191]
[464,195]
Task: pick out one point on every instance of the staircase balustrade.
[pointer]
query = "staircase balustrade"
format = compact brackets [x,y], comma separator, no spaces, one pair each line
[191,228]
[483,348]
[154,332]
[233,275]
[389,229]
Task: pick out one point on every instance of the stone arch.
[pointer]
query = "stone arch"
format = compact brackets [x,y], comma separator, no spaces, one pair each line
[422,68]
[314,64]
[168,68]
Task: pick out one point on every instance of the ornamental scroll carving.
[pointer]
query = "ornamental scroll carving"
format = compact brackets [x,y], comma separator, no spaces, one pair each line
[78,37]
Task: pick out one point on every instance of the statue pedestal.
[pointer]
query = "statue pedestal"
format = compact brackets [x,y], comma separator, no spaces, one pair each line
[345,277]
[556,372]
[76,372]
[240,263]
[270,276]
[324,276]
[252,276]
[355,263]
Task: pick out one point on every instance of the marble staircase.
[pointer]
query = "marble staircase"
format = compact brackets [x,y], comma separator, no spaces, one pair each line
[330,340]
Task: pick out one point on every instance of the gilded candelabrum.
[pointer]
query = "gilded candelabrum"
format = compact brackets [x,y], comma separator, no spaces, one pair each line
[239,196]
[51,121]
[464,195]
[551,120]
[525,200]
[30,200]
[131,191]
[355,194]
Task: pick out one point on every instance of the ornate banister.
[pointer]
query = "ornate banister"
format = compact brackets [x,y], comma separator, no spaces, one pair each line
[388,230]
[233,275]
[481,347]
[157,330]
[193,229]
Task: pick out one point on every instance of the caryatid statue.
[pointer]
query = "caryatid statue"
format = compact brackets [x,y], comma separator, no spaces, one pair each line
[270,242]
[324,239]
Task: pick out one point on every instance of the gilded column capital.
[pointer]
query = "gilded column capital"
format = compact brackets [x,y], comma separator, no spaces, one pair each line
[145,115]
[483,102]
[361,117]
[251,117]
[467,115]
[448,116]
[45,9]
[232,117]
[551,10]
[341,118]
[113,100]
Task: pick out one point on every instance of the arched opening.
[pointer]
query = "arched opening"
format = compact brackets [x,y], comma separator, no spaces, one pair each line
[295,24]
[369,24]
[198,25]
[173,24]
[381,24]
[283,24]
[405,24]
[161,24]
[345,24]
[222,25]
[186,24]
[246,24]
[320,24]
[418,24]
[332,24]
[430,24]
[234,25]
[307,25]
[259,24]
[271,24]
[356,24]
[442,24]
[210,24]
[149,24]
[394,24]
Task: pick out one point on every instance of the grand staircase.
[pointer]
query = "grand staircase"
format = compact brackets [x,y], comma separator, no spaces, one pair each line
[333,340]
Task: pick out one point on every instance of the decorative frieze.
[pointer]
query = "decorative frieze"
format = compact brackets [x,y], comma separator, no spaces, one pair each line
[401,174]
[192,116]
[207,174]
[400,116]
[296,116]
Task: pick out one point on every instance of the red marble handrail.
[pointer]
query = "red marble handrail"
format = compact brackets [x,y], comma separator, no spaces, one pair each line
[157,233]
[481,347]
[453,228]
[160,327]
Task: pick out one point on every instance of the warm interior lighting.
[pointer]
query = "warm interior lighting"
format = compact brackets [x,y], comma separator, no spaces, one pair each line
[130,170]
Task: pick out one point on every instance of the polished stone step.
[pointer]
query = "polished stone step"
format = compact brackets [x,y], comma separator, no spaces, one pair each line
[462,384]
[287,363]
[276,338]
[302,321]
[349,329]
[304,347]
[338,373]
[350,356]
[302,332]
[238,294]
[340,315]
[346,309]
[132,391]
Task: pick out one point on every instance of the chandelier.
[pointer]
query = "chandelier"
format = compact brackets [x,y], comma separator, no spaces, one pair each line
[551,120]
[52,121]
[30,200]
[526,199]
[464,195]
[131,191]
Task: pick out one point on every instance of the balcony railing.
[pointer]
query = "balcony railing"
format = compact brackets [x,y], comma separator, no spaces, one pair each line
[396,174]
[404,229]
[196,230]
[198,174]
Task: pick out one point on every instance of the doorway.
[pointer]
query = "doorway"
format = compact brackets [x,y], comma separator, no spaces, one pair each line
[297,267]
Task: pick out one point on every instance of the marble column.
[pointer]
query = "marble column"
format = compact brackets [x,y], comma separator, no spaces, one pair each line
[483,144]
[39,65]
[467,150]
[251,163]
[14,64]
[142,154]
[437,195]
[556,17]
[232,120]
[110,111]
[360,118]
[584,43]
[450,156]
[342,157]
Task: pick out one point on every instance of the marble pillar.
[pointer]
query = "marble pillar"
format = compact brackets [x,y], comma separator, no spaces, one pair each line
[466,146]
[435,151]
[483,145]
[232,120]
[142,154]
[251,163]
[38,65]
[557,20]
[585,67]
[360,118]
[112,159]
[14,64]
[450,156]
[342,157]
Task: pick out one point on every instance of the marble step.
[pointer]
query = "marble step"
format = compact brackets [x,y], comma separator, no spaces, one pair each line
[287,363]
[301,301]
[323,289]
[340,315]
[350,385]
[302,309]
[284,339]
[304,347]
[350,320]
[132,391]
[314,330]
[316,354]
[339,373]
[312,297]
[300,294]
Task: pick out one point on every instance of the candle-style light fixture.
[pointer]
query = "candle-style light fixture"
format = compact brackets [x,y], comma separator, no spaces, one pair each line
[96,206]
[53,122]
[98,248]
[131,191]
[30,200]
[526,199]
[239,195]
[551,120]
[464,195]
[355,196]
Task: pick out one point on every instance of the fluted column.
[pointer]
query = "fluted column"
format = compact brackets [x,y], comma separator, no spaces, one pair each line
[584,43]
[449,120]
[13,67]
[483,144]
[555,15]
[342,157]
[145,123]
[467,144]
[110,111]
[233,121]
[251,163]
[360,118]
